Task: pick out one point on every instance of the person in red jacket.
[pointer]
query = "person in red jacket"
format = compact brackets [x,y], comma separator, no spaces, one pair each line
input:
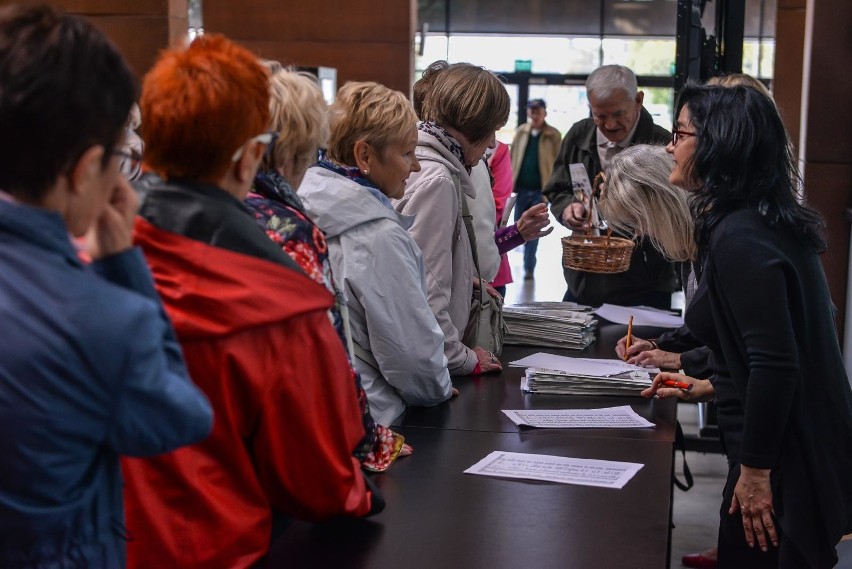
[253,327]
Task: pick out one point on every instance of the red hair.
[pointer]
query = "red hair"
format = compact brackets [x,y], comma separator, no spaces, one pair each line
[199,105]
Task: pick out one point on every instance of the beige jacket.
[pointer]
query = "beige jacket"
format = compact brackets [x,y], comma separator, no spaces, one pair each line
[432,197]
[548,149]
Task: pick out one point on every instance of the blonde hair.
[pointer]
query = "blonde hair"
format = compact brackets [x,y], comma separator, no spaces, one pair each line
[299,113]
[638,198]
[740,79]
[370,112]
[468,98]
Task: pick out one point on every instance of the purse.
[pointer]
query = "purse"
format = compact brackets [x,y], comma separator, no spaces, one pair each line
[485,326]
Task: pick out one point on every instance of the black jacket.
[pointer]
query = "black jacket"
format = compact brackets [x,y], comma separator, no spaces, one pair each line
[763,308]
[649,271]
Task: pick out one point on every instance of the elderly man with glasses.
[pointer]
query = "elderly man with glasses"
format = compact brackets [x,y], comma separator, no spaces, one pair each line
[618,120]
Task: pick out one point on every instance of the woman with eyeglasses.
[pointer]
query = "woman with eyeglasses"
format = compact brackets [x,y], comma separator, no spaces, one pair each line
[763,308]
[253,327]
[396,341]
[300,116]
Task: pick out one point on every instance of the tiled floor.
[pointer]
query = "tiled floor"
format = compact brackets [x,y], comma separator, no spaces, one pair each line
[696,512]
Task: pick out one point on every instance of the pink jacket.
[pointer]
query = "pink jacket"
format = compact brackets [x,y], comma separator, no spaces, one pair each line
[501,168]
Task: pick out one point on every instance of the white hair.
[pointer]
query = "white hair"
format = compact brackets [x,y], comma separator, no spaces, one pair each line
[639,198]
[605,80]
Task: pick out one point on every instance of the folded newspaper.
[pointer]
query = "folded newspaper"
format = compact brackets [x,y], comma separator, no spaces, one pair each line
[550,324]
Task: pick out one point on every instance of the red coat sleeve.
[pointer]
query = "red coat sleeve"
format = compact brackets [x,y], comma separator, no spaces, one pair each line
[309,423]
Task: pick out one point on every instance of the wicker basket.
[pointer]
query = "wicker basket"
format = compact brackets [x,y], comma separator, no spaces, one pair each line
[596,254]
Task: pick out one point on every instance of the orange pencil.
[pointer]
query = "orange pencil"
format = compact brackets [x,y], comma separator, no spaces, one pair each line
[629,336]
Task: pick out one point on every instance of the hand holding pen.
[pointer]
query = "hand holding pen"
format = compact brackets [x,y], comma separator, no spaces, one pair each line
[667,384]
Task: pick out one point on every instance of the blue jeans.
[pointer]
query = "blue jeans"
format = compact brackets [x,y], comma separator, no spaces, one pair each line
[525,200]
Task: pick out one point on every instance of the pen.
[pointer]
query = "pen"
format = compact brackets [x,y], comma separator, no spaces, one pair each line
[629,336]
[679,384]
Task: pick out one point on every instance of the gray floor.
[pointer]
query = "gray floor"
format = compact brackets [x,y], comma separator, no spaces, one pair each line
[696,512]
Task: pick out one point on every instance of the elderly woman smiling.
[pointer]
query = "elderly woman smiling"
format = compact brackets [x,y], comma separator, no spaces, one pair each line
[397,343]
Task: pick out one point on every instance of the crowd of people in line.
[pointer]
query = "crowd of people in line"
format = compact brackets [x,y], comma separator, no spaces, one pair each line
[222,345]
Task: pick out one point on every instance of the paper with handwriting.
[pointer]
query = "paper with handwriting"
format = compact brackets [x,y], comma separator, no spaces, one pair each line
[561,469]
[623,417]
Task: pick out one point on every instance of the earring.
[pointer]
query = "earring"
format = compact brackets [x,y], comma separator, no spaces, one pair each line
[366,172]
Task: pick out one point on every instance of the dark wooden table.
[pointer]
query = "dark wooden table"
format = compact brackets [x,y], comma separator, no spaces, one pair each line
[438,517]
[481,398]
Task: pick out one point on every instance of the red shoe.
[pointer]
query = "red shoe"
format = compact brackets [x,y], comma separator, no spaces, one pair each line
[698,561]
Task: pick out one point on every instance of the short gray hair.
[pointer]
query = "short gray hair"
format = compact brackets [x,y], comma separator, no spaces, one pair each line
[638,198]
[605,80]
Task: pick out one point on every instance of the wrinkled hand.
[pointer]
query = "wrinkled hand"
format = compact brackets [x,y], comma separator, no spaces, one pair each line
[488,362]
[574,217]
[702,389]
[112,231]
[534,223]
[656,358]
[753,497]
[492,292]
[637,345]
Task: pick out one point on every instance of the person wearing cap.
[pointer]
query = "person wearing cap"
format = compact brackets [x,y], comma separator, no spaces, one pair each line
[534,150]
[618,121]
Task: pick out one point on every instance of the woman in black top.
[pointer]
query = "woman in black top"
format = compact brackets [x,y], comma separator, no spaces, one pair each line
[763,308]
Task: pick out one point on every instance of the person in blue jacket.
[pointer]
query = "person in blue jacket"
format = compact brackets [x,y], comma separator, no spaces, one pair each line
[90,368]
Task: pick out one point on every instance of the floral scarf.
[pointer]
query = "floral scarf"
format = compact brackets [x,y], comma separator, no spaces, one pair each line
[446,139]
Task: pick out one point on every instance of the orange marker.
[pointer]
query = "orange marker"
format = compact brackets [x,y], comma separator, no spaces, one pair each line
[679,384]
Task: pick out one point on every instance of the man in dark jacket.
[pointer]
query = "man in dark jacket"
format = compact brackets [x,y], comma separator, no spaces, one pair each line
[618,120]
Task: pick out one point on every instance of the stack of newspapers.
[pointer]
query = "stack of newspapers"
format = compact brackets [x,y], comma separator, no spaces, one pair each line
[553,374]
[550,324]
[566,383]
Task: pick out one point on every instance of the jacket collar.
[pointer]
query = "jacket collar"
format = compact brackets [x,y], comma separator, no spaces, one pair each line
[40,227]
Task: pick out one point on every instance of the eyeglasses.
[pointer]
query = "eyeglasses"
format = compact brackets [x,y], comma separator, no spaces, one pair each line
[130,163]
[676,134]
[267,138]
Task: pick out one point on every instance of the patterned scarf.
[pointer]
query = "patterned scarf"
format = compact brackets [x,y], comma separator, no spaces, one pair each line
[272,185]
[354,174]
[446,139]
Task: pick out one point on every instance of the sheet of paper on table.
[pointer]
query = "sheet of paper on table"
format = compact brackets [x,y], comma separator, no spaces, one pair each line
[623,417]
[580,366]
[562,469]
[642,316]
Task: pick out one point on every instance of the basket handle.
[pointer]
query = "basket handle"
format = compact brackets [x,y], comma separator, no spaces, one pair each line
[589,215]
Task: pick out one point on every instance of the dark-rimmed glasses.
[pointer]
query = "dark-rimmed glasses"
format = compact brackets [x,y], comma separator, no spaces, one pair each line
[677,134]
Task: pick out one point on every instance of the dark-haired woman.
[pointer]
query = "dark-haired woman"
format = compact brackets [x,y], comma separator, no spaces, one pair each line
[763,308]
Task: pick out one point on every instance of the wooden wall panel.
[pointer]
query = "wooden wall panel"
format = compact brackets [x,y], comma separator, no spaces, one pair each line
[829,126]
[827,133]
[789,59]
[140,28]
[365,40]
